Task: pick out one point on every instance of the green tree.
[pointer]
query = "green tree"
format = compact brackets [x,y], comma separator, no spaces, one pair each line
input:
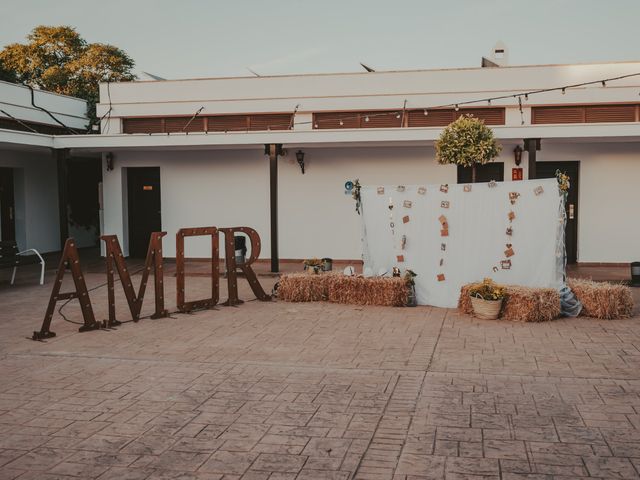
[6,74]
[59,60]
[467,142]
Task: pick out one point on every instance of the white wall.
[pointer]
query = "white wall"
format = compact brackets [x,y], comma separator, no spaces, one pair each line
[16,100]
[609,209]
[36,199]
[231,188]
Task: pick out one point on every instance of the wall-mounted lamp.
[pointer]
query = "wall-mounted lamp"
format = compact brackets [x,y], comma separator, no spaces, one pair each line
[109,157]
[517,154]
[300,159]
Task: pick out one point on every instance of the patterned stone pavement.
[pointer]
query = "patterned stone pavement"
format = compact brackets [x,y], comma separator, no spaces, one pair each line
[314,391]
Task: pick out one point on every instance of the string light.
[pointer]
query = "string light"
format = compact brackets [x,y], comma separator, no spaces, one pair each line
[341,123]
[489,101]
[397,115]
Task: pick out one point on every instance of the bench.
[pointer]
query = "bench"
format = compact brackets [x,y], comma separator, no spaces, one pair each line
[10,257]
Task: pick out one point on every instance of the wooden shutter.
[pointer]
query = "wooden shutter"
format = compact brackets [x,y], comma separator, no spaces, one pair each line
[491,116]
[381,119]
[435,118]
[177,124]
[610,113]
[270,121]
[568,114]
[143,125]
[227,123]
[331,120]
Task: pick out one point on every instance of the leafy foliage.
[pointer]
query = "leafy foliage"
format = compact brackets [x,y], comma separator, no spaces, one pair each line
[59,60]
[467,141]
[6,74]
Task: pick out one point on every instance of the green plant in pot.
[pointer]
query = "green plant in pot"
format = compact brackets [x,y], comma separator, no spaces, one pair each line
[467,142]
[486,298]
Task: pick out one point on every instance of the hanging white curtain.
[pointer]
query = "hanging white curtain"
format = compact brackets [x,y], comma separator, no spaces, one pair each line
[477,240]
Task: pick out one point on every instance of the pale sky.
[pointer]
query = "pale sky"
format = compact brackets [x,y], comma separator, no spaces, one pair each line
[198,38]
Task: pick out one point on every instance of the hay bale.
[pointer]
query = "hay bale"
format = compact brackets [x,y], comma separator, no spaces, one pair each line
[338,288]
[304,287]
[529,304]
[357,290]
[522,304]
[602,299]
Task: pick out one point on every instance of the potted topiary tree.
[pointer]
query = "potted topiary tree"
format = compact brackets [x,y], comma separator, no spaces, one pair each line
[467,142]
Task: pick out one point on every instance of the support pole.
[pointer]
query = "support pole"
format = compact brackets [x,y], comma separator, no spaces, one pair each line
[273,150]
[62,161]
[532,145]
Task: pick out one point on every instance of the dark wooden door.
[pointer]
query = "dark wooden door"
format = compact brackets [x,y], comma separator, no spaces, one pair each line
[7,205]
[484,173]
[548,170]
[144,208]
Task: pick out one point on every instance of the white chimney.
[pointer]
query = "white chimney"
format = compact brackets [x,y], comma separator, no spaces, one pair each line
[500,54]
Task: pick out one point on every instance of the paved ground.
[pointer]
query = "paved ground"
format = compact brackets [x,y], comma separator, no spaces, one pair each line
[314,391]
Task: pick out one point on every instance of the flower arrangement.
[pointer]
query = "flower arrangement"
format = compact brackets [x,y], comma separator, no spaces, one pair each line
[563,181]
[487,290]
[467,142]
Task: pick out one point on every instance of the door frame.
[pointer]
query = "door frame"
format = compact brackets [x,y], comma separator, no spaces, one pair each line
[128,180]
[9,230]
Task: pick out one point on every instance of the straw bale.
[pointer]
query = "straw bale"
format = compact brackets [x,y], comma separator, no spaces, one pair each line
[357,290]
[602,299]
[303,287]
[521,304]
[338,288]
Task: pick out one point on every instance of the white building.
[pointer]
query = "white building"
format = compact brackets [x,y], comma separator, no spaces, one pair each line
[166,167]
[29,194]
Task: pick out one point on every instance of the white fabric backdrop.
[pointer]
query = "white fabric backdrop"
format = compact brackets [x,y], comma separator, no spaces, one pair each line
[477,235]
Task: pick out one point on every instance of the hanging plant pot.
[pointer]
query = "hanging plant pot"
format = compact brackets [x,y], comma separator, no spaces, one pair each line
[486,309]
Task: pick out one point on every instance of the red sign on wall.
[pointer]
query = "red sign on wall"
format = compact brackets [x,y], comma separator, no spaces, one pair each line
[516,174]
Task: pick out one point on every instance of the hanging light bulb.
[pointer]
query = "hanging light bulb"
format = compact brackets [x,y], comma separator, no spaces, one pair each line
[315,125]
[427,113]
[563,90]
[397,115]
[604,83]
[366,119]
[526,96]
[341,123]
[456,108]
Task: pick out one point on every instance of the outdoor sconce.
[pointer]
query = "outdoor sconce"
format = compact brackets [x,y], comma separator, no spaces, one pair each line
[109,157]
[517,154]
[300,159]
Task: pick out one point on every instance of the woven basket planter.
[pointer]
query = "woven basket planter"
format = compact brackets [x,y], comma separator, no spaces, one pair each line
[486,309]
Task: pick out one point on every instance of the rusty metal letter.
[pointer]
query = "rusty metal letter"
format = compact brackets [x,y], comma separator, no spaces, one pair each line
[115,261]
[71,260]
[232,266]
[184,306]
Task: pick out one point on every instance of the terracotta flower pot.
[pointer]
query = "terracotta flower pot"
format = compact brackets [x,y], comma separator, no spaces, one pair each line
[486,309]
